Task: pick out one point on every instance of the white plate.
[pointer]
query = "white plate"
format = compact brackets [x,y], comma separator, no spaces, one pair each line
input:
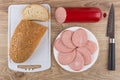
[94,57]
[42,54]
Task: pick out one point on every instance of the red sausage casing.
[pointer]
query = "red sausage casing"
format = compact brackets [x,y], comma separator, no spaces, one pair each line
[79,14]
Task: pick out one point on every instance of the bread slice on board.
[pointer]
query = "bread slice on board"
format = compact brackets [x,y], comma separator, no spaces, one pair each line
[25,39]
[35,12]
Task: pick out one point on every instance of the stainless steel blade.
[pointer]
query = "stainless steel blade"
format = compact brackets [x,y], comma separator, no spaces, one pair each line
[111,24]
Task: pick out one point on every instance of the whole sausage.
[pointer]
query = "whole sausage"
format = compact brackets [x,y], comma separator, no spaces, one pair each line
[78,14]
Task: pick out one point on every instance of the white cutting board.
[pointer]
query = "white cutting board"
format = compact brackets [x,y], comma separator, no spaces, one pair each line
[42,54]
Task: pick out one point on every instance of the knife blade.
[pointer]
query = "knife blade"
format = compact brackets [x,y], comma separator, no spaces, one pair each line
[111,35]
[111,24]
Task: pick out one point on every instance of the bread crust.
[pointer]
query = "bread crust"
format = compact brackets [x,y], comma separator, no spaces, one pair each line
[25,39]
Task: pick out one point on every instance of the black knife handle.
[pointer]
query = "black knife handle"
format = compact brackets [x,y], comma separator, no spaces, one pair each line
[111,57]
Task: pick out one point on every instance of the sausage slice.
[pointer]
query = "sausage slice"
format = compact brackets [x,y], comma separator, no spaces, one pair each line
[61,47]
[79,37]
[86,55]
[67,58]
[66,38]
[91,46]
[78,63]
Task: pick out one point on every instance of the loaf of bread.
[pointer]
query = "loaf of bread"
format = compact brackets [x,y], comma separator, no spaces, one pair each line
[35,12]
[25,39]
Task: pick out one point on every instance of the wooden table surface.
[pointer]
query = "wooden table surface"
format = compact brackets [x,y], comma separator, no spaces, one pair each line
[97,72]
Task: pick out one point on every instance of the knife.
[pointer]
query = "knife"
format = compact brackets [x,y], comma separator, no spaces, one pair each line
[111,35]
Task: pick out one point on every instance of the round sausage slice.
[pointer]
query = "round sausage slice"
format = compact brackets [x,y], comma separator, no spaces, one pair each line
[86,55]
[78,63]
[60,14]
[67,58]
[66,38]
[91,46]
[79,37]
[61,47]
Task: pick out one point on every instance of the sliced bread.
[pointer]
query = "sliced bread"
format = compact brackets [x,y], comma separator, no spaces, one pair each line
[35,12]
